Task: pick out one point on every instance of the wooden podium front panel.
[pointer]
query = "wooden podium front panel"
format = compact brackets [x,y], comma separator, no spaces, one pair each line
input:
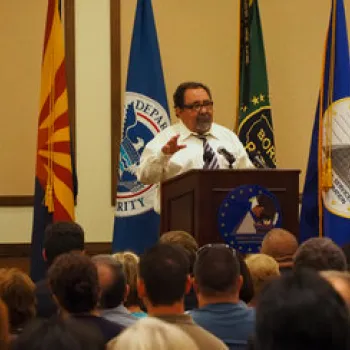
[178,205]
[180,211]
[191,201]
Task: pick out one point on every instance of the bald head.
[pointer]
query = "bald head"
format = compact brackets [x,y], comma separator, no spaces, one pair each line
[112,281]
[281,245]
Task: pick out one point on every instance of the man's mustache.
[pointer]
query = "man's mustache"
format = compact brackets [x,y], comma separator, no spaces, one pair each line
[203,117]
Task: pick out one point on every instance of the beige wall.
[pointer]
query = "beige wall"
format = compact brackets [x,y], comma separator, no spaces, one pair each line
[198,40]
[21,37]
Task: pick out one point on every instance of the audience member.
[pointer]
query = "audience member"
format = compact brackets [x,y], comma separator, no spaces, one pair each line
[152,334]
[217,284]
[281,245]
[58,334]
[4,327]
[320,254]
[246,292]
[184,240]
[301,311]
[113,290]
[130,263]
[340,281]
[346,251]
[60,237]
[74,283]
[262,268]
[164,280]
[17,291]
[190,246]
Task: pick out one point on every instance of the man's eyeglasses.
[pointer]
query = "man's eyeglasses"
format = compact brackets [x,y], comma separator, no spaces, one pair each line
[206,247]
[198,106]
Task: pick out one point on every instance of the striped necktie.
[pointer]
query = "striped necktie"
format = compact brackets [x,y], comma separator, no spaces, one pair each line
[209,156]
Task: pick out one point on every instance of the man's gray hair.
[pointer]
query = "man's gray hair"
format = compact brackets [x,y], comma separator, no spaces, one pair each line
[106,259]
[320,254]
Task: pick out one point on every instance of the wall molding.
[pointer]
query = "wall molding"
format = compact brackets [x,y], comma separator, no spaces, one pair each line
[22,250]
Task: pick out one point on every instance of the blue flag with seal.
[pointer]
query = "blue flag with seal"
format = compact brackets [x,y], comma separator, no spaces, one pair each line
[136,224]
[326,196]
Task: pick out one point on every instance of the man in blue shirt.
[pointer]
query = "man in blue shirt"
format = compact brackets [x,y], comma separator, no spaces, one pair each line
[217,282]
[114,290]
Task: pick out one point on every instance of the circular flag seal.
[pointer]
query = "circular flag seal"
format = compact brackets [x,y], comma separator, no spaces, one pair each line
[246,215]
[256,133]
[143,119]
[337,198]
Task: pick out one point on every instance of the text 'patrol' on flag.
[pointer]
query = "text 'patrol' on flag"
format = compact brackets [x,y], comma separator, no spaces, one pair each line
[326,196]
[136,224]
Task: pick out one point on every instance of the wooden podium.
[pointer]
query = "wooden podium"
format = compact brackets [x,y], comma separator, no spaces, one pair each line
[191,201]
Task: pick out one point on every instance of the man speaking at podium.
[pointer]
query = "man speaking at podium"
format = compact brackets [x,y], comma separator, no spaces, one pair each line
[194,142]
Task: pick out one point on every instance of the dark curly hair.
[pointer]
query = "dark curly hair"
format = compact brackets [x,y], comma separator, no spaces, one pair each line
[73,280]
[320,254]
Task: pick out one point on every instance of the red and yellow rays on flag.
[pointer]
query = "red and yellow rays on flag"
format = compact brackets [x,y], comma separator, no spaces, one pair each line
[54,162]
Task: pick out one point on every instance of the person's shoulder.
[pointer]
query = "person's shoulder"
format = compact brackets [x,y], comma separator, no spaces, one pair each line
[104,324]
[246,314]
[110,324]
[107,329]
[197,312]
[217,128]
[122,318]
[251,314]
[202,336]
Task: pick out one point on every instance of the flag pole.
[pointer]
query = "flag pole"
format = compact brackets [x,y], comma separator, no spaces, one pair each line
[238,84]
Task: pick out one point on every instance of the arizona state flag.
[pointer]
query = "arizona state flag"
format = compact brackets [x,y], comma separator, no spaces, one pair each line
[254,116]
[55,182]
[325,207]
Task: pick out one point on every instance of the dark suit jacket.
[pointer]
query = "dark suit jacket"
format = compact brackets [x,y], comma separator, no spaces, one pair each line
[108,329]
[46,307]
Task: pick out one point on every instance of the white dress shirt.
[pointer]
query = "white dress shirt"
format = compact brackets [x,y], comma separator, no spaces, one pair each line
[156,167]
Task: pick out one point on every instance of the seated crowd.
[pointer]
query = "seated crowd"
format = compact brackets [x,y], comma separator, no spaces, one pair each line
[179,296]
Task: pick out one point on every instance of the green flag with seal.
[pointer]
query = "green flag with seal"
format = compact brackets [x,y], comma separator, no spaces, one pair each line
[254,123]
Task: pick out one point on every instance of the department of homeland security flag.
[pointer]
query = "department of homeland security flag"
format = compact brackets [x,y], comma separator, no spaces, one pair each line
[254,115]
[55,181]
[326,197]
[136,224]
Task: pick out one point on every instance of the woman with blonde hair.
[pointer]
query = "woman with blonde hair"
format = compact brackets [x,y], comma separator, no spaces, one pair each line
[130,263]
[263,268]
[152,334]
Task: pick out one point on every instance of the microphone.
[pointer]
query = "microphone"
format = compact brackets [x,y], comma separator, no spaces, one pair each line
[228,155]
[256,159]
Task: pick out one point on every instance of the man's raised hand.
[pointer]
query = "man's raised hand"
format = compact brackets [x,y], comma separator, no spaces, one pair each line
[172,146]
